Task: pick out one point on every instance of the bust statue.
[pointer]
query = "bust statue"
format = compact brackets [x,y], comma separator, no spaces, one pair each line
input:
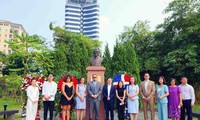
[96,59]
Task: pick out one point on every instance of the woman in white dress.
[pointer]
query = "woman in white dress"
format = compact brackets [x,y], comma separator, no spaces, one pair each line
[133,102]
[32,101]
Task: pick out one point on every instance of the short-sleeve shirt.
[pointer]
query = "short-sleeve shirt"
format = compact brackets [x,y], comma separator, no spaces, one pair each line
[160,91]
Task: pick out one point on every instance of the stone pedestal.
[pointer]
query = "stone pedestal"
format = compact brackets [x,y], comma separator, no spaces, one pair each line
[99,71]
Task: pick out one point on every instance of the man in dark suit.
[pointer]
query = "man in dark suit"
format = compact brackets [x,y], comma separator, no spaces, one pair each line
[109,98]
[94,96]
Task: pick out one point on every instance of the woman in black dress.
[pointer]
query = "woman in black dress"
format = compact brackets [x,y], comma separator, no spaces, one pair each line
[66,99]
[120,93]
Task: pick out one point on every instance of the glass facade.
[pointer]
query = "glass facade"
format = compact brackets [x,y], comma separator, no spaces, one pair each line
[82,16]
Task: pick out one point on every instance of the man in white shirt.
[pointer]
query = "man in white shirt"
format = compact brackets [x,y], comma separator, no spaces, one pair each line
[49,90]
[109,98]
[188,98]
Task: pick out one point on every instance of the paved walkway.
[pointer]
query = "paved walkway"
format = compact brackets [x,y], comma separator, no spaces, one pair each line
[140,116]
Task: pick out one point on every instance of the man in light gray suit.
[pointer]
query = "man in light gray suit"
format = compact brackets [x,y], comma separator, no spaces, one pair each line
[94,96]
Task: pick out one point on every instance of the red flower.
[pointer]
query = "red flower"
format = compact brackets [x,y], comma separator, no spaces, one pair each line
[60,83]
[74,82]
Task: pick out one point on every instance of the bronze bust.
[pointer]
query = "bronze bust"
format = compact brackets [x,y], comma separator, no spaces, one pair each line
[96,60]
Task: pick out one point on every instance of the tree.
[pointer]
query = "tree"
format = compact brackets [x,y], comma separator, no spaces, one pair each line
[132,65]
[118,59]
[142,40]
[13,64]
[124,60]
[32,49]
[107,61]
[2,61]
[13,82]
[178,39]
[72,51]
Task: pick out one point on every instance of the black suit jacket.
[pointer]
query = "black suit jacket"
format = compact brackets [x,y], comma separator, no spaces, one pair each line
[105,93]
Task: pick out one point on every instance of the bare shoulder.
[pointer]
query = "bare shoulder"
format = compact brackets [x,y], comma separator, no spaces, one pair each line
[63,84]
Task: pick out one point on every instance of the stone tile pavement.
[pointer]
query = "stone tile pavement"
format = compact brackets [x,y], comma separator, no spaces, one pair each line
[140,116]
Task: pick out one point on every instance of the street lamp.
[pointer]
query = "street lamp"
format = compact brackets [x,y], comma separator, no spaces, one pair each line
[5,107]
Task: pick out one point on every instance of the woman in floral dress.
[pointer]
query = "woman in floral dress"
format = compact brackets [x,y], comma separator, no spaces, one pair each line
[174,101]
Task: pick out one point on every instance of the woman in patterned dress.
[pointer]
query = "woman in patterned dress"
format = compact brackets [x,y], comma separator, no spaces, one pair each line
[174,100]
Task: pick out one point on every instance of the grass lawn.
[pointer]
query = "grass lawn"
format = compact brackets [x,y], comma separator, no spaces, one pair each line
[12,105]
[196,108]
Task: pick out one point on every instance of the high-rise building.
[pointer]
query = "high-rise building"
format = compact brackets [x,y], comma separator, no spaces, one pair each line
[6,33]
[82,16]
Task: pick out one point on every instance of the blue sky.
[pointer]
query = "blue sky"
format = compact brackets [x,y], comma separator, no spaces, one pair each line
[35,15]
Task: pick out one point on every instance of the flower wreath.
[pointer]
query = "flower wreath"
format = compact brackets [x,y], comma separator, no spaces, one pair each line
[26,82]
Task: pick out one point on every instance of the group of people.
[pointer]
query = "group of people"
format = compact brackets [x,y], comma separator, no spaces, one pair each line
[49,91]
[172,101]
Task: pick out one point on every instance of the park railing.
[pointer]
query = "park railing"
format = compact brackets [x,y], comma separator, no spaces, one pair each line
[196,115]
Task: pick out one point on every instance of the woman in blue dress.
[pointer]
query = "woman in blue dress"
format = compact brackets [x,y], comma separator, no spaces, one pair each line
[80,99]
[161,98]
[133,103]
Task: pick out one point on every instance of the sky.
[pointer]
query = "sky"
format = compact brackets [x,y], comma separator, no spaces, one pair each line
[35,16]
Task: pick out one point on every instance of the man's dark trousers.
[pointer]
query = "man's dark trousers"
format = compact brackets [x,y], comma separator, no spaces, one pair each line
[186,106]
[48,105]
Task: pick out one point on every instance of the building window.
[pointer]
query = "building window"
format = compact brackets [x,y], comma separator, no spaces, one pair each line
[73,7]
[90,7]
[16,31]
[9,51]
[90,24]
[90,28]
[10,36]
[76,16]
[5,35]
[74,20]
[72,24]
[15,27]
[91,15]
[5,45]
[10,40]
[72,11]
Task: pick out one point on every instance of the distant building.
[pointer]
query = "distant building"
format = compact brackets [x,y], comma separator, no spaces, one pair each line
[6,33]
[82,16]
